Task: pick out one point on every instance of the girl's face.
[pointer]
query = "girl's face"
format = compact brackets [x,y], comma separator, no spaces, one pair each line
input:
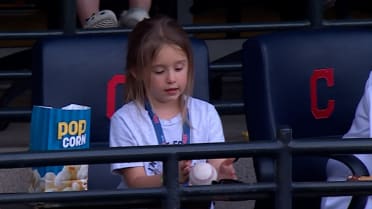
[168,75]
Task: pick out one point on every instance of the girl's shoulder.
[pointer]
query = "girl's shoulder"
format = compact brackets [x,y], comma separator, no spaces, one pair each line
[129,108]
[195,102]
[198,105]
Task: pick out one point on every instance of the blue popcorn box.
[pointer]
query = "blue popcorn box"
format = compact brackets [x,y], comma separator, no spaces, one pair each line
[66,128]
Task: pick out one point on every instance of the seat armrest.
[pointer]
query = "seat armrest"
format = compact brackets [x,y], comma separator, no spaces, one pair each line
[358,168]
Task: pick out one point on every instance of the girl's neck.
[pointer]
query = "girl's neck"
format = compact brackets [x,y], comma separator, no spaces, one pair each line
[166,110]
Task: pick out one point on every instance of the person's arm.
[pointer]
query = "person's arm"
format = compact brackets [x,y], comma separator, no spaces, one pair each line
[360,128]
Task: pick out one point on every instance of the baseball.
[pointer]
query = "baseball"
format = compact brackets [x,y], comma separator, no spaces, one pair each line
[202,174]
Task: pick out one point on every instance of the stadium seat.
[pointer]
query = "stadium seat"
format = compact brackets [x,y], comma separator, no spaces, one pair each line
[88,70]
[309,81]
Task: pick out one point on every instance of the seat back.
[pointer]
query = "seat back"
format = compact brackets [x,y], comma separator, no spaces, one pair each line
[88,70]
[308,80]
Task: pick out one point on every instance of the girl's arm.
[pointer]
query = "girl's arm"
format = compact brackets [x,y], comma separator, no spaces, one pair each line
[136,177]
[225,167]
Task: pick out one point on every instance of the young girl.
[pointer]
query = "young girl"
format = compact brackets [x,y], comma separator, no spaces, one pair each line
[159,108]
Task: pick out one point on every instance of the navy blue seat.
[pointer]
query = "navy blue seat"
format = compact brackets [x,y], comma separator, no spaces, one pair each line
[309,81]
[88,70]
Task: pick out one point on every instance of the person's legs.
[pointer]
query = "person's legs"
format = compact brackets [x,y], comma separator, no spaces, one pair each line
[138,10]
[90,16]
[143,4]
[86,8]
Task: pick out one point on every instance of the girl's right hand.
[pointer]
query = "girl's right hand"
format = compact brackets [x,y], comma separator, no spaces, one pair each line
[227,170]
[183,170]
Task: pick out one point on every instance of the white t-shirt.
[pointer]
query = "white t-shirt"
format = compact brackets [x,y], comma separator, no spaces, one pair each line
[360,128]
[131,126]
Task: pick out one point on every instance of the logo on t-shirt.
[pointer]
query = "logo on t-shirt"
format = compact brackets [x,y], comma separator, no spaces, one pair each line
[154,168]
[174,142]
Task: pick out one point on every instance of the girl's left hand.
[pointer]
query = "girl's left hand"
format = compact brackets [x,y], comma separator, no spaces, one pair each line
[227,170]
[184,170]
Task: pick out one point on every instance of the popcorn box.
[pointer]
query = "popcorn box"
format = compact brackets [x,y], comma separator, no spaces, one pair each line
[66,128]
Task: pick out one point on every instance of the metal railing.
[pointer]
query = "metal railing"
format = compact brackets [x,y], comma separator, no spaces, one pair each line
[283,189]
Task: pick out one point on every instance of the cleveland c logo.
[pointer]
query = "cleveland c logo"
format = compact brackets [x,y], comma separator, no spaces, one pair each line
[111,93]
[328,75]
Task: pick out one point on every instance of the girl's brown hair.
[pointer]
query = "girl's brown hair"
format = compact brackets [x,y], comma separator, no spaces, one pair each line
[144,42]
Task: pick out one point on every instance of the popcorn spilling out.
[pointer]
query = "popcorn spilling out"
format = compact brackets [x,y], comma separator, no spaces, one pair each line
[70,178]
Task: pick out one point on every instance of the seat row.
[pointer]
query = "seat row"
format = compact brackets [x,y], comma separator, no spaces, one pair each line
[308,81]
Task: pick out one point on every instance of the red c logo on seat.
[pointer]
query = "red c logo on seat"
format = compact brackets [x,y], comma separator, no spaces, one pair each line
[328,75]
[111,93]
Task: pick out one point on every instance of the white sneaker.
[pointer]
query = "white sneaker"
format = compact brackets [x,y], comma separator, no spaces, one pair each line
[133,16]
[102,19]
